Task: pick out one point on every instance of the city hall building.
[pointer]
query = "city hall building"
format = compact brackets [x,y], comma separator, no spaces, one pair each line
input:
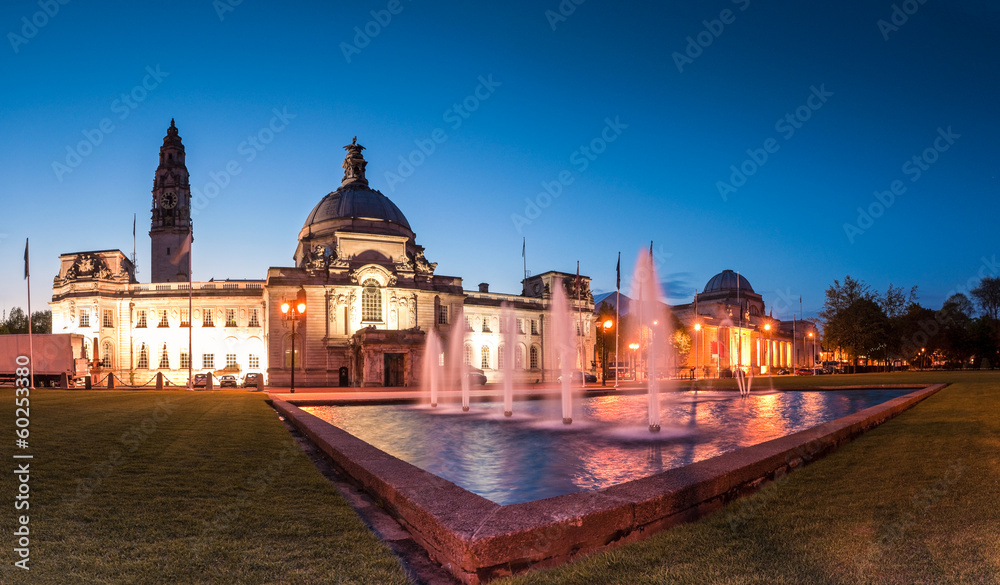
[370,293]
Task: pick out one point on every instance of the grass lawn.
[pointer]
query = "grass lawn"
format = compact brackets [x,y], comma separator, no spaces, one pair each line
[182,487]
[176,487]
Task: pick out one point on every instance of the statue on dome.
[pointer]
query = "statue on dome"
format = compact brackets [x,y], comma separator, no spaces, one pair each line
[354,164]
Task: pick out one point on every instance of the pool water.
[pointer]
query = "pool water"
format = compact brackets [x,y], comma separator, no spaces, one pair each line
[532,455]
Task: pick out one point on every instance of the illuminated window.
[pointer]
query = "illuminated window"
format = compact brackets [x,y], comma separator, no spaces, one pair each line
[533,358]
[207,320]
[500,356]
[371,301]
[485,357]
[230,317]
[254,319]
[486,325]
[143,358]
[231,360]
[163,319]
[185,359]
[106,354]
[443,315]
[534,327]
[141,321]
[208,361]
[467,360]
[108,320]
[185,318]
[84,318]
[164,358]
[520,326]
[254,361]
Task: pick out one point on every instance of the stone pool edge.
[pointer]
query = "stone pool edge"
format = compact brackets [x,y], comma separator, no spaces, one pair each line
[478,540]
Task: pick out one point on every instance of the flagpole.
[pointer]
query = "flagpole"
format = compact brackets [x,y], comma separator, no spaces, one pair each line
[524,260]
[618,300]
[31,348]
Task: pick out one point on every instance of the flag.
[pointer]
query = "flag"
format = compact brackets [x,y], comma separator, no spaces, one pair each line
[133,226]
[522,247]
[618,273]
[26,258]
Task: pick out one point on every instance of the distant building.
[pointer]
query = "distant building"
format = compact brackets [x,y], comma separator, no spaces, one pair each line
[371,298]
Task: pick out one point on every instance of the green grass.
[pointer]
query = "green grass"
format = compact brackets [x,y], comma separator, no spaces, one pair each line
[214,492]
[177,487]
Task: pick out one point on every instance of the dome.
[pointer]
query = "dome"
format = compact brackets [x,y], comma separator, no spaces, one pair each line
[356,201]
[727,280]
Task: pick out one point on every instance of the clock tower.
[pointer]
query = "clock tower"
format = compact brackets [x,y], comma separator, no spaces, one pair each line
[171,222]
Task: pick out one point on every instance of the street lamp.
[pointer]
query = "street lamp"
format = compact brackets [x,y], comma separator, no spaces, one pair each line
[634,347]
[604,377]
[770,358]
[813,338]
[291,311]
[697,328]
[922,358]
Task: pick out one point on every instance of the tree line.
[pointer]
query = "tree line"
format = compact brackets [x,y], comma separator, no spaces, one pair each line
[891,326]
[16,321]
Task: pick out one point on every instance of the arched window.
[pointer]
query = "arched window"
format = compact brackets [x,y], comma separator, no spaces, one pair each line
[164,358]
[519,357]
[485,364]
[533,357]
[106,354]
[143,358]
[371,301]
[468,355]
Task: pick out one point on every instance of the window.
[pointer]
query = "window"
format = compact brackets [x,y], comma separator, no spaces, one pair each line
[503,327]
[371,301]
[230,317]
[208,361]
[579,328]
[185,359]
[106,352]
[288,359]
[108,320]
[143,358]
[231,361]
[468,323]
[84,318]
[207,320]
[185,318]
[254,361]
[520,326]
[486,357]
[467,360]
[486,325]
[163,319]
[501,354]
[254,319]
[443,315]
[141,320]
[164,358]
[534,327]
[533,357]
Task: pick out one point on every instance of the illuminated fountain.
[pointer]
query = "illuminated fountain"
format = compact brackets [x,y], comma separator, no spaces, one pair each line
[654,329]
[563,335]
[432,369]
[456,362]
[507,367]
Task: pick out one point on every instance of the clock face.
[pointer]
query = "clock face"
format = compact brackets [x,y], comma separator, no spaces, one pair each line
[168,201]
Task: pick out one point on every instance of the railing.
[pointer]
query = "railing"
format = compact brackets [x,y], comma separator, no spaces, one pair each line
[198,286]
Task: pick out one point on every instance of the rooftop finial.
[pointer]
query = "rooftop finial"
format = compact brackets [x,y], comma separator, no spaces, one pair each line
[354,164]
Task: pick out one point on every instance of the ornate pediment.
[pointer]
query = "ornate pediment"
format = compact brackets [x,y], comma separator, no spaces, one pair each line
[89,266]
[379,273]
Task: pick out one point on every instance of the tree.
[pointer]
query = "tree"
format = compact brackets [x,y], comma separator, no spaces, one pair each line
[841,296]
[859,329]
[17,321]
[894,304]
[987,295]
[957,342]
[41,322]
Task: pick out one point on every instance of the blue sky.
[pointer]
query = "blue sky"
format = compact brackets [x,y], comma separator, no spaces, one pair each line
[642,124]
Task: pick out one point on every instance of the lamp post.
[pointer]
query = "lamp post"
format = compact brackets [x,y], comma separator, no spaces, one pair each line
[605,326]
[634,347]
[813,338]
[697,328]
[767,328]
[922,349]
[291,312]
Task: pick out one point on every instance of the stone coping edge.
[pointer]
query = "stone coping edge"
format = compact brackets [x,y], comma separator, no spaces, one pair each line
[478,540]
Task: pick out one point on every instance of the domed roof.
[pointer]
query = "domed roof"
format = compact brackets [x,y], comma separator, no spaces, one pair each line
[726,280]
[355,200]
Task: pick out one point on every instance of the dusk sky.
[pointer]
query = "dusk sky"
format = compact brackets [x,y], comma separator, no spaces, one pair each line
[641,110]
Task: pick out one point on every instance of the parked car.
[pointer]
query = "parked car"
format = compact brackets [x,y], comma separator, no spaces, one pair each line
[819,371]
[228,380]
[804,372]
[200,380]
[782,372]
[580,377]
[250,380]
